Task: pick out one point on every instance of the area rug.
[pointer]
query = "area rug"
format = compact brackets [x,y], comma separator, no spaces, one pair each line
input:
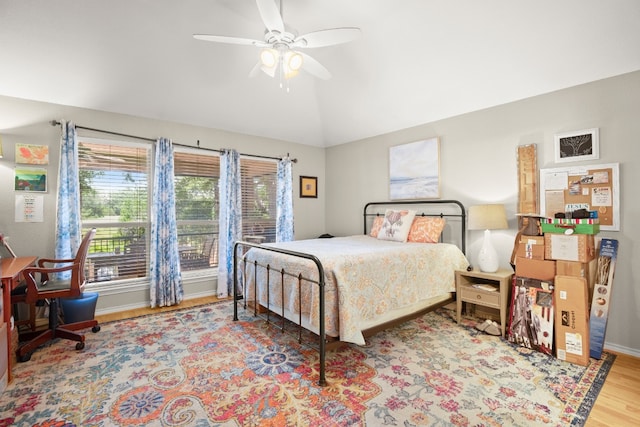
[197,367]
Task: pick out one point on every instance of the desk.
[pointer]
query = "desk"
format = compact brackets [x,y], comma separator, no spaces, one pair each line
[11,269]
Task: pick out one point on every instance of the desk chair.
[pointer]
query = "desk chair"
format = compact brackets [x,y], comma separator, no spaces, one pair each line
[53,289]
[18,295]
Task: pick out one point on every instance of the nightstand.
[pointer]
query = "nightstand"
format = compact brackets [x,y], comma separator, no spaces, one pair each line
[474,287]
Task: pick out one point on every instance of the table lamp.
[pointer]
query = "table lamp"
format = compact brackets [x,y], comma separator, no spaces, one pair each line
[487,218]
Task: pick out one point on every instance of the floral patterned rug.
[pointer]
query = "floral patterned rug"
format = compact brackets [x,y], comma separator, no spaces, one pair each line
[196,367]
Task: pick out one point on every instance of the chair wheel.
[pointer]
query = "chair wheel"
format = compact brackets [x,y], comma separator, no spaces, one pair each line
[24,358]
[79,346]
[95,329]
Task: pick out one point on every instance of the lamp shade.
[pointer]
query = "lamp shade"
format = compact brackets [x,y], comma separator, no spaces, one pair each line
[487,217]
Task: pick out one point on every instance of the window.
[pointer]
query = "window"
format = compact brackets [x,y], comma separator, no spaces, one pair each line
[114,198]
[259,184]
[196,184]
[115,192]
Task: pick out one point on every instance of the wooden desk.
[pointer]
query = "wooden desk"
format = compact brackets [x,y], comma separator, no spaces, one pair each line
[11,269]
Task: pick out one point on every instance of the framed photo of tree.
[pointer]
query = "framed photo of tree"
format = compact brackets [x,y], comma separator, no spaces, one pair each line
[577,146]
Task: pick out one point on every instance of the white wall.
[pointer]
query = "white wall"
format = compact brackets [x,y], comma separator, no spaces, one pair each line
[478,165]
[27,122]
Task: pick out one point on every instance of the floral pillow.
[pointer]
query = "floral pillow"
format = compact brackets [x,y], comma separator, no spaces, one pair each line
[376,226]
[426,229]
[396,225]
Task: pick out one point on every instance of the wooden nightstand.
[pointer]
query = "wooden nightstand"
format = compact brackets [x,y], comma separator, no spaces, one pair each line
[469,288]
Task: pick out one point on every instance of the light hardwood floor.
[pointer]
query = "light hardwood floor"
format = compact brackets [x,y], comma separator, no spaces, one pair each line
[618,403]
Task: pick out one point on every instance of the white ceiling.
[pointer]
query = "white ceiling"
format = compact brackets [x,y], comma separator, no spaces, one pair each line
[417,60]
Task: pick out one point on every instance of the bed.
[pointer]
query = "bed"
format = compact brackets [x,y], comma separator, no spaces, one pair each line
[344,288]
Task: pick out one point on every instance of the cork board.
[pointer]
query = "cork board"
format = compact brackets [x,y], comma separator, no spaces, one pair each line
[591,187]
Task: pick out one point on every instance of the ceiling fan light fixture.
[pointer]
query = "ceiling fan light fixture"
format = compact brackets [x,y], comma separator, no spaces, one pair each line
[269,57]
[293,60]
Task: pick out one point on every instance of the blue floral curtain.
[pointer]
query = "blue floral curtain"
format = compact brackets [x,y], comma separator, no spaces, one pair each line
[68,226]
[230,228]
[164,262]
[284,202]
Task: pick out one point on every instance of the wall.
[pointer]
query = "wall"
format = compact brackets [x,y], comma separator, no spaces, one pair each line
[27,122]
[478,165]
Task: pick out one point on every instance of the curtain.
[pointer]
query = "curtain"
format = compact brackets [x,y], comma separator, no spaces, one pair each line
[164,261]
[68,226]
[284,202]
[230,228]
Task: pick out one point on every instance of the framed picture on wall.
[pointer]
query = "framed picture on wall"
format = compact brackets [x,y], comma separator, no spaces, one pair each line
[577,146]
[28,154]
[31,179]
[309,186]
[414,170]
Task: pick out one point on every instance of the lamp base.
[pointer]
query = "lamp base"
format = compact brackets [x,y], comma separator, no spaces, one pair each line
[488,257]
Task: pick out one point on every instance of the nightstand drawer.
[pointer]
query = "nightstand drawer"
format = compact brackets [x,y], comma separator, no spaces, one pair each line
[489,299]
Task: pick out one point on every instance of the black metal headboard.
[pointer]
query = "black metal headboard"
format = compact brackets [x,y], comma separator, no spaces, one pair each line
[446,208]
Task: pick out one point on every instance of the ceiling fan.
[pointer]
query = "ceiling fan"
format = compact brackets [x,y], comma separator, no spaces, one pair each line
[280,48]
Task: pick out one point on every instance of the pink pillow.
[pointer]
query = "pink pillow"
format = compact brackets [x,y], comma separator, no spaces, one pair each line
[376,226]
[426,229]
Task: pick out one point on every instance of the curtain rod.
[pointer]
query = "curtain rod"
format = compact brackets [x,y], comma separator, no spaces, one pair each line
[57,123]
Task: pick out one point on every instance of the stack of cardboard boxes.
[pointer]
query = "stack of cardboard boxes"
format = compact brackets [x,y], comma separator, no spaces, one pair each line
[554,277]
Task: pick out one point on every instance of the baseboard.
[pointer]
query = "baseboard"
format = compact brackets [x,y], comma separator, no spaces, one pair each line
[622,350]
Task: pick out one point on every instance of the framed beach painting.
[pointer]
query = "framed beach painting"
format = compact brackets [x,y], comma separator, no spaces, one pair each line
[414,170]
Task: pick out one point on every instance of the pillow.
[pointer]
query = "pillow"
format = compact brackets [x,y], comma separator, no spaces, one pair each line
[396,225]
[375,227]
[426,229]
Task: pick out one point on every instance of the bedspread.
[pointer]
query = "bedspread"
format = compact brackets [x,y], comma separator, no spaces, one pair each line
[365,277]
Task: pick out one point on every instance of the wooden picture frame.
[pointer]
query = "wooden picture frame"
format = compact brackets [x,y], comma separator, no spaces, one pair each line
[309,187]
[577,146]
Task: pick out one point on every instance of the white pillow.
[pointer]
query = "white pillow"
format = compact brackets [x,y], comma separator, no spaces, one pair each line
[396,225]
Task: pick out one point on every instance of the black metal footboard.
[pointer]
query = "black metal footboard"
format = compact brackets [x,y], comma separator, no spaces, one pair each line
[239,249]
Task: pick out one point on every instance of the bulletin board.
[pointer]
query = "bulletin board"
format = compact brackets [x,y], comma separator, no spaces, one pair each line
[591,187]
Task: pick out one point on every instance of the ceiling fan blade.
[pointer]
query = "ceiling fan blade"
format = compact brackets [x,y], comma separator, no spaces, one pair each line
[230,40]
[314,68]
[255,70]
[328,37]
[270,15]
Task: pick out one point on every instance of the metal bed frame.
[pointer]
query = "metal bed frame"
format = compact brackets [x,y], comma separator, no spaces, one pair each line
[371,210]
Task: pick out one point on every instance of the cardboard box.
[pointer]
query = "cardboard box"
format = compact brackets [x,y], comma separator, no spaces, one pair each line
[574,247]
[586,270]
[535,268]
[532,240]
[527,250]
[532,314]
[572,319]
[608,255]
[552,225]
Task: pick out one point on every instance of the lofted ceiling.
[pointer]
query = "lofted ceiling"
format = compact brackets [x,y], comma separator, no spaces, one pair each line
[417,60]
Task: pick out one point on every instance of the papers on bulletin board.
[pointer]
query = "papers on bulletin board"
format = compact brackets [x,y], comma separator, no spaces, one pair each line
[29,208]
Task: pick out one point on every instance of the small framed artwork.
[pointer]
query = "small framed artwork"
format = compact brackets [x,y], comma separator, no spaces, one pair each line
[28,154]
[31,179]
[309,186]
[577,146]
[414,170]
